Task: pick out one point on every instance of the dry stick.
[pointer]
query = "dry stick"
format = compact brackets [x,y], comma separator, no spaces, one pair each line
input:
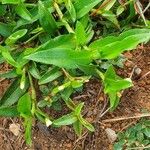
[104,112]
[145,75]
[126,118]
[147,7]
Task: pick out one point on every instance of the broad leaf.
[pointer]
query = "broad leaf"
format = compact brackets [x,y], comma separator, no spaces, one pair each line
[115,83]
[111,46]
[65,58]
[24,105]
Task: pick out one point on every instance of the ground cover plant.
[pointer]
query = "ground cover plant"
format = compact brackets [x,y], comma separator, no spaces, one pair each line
[135,136]
[53,49]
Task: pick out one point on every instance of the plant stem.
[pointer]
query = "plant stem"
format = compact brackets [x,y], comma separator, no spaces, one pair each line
[60,14]
[33,94]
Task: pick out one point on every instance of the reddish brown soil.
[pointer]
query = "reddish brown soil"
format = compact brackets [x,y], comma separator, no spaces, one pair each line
[133,101]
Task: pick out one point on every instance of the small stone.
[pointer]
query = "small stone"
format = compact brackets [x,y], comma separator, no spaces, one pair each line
[137,71]
[111,134]
[14,128]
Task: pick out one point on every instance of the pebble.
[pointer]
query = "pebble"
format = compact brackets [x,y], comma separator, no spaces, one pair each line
[14,128]
[137,71]
[111,134]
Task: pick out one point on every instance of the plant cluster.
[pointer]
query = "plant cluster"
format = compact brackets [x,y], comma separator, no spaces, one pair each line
[135,136]
[51,47]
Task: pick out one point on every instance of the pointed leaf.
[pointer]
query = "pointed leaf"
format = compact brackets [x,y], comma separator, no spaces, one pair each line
[111,46]
[65,120]
[77,126]
[86,124]
[80,34]
[46,19]
[9,111]
[50,76]
[13,94]
[15,36]
[65,58]
[83,7]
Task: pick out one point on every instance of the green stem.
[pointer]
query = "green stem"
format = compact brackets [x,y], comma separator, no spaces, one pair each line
[33,95]
[33,37]
[60,14]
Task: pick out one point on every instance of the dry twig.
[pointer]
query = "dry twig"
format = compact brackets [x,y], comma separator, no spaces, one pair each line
[126,118]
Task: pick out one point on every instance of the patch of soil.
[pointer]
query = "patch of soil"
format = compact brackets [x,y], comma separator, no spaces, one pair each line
[133,101]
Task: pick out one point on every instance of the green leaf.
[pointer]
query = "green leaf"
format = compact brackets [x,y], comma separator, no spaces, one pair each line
[34,71]
[115,83]
[50,75]
[11,1]
[15,36]
[83,7]
[24,105]
[120,10]
[46,19]
[111,46]
[2,10]
[111,17]
[22,11]
[9,74]
[9,111]
[77,126]
[65,58]
[147,132]
[114,100]
[78,109]
[86,123]
[6,29]
[7,56]
[67,41]
[13,94]
[80,34]
[65,120]
[140,136]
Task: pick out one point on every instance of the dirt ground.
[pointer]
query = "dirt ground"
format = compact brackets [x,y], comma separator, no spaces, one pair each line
[134,100]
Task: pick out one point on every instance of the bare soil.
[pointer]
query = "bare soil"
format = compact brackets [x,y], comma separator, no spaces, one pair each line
[134,100]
